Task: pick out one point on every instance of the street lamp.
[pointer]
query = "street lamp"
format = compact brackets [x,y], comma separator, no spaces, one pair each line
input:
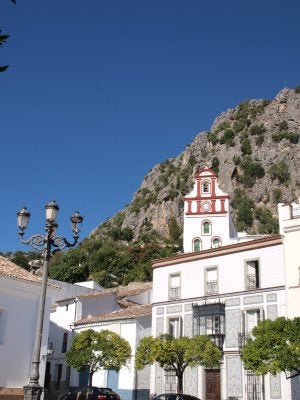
[44,243]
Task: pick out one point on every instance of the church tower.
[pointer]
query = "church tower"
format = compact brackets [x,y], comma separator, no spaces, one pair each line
[207,220]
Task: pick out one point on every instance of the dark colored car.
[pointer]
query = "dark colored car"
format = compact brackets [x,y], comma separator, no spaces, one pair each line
[90,393]
[175,396]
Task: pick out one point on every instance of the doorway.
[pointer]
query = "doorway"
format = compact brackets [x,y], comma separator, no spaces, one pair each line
[213,384]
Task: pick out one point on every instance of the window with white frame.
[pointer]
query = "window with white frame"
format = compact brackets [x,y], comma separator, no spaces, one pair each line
[211,281]
[174,286]
[196,244]
[174,327]
[252,274]
[252,319]
[206,227]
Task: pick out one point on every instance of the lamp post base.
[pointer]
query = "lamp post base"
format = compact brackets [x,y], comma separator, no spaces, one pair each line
[32,391]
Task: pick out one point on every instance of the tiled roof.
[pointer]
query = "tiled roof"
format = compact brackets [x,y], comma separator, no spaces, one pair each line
[127,313]
[11,270]
[132,289]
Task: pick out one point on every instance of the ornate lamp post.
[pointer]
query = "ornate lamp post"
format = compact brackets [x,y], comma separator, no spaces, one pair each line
[44,243]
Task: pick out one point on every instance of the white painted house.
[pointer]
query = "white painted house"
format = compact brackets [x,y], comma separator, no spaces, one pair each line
[19,295]
[125,310]
[222,286]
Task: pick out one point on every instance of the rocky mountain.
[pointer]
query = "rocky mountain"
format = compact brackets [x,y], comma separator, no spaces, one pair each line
[254,148]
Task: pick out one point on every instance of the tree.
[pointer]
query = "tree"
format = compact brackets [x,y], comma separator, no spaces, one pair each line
[96,350]
[3,39]
[274,347]
[177,354]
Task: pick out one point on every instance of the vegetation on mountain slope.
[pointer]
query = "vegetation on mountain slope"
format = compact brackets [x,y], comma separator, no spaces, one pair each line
[254,148]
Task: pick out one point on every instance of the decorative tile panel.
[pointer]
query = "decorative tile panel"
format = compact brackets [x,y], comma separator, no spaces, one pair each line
[188,325]
[188,307]
[174,309]
[234,377]
[191,381]
[233,327]
[236,301]
[160,310]
[272,312]
[159,326]
[253,299]
[271,297]
[159,379]
[275,386]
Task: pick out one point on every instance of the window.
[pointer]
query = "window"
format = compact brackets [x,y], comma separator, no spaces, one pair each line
[64,343]
[206,187]
[175,327]
[206,228]
[216,242]
[174,289]
[196,244]
[252,274]
[211,281]
[209,319]
[253,318]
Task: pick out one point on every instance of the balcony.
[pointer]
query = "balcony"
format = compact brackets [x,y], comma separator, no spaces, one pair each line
[242,337]
[211,287]
[252,281]
[174,293]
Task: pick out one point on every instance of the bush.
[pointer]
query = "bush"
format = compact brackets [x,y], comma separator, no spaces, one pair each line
[257,130]
[251,171]
[215,165]
[292,137]
[213,137]
[277,195]
[283,125]
[246,146]
[297,89]
[238,126]
[280,172]
[244,206]
[267,223]
[259,140]
[227,137]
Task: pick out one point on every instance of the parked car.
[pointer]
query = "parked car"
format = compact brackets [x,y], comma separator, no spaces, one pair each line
[90,393]
[175,396]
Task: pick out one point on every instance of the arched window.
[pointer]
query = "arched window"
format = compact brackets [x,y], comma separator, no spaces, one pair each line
[216,242]
[206,187]
[206,228]
[196,245]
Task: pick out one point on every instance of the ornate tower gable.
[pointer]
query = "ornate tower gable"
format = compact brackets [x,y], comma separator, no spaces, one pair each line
[206,197]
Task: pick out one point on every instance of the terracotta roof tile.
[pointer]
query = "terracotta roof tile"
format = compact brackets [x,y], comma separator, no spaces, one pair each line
[132,289]
[11,270]
[127,313]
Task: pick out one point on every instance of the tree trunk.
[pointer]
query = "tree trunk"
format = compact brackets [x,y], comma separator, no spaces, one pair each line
[180,382]
[91,373]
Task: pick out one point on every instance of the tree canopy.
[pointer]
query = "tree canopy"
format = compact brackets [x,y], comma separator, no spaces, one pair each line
[177,354]
[97,350]
[274,347]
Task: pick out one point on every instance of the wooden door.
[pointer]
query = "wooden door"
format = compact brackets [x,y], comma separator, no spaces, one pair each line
[213,384]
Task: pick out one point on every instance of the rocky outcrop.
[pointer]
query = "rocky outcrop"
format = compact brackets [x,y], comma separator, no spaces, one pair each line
[265,133]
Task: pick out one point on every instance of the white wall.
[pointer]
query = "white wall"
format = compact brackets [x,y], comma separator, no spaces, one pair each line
[19,305]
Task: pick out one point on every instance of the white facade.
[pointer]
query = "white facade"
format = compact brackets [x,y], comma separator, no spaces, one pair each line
[289,223]
[124,310]
[19,297]
[221,288]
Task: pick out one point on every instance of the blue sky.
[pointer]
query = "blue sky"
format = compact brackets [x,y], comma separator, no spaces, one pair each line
[100,91]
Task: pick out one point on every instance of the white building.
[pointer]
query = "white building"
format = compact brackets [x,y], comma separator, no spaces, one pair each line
[19,297]
[125,310]
[289,224]
[222,286]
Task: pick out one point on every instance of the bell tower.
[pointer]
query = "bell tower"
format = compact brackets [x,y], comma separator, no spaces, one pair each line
[207,221]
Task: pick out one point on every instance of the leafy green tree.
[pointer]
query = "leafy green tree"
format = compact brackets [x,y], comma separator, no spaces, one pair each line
[70,267]
[274,347]
[96,350]
[177,354]
[3,39]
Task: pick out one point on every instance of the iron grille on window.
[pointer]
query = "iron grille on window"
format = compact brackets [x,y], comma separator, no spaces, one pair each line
[252,282]
[174,293]
[253,386]
[211,287]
